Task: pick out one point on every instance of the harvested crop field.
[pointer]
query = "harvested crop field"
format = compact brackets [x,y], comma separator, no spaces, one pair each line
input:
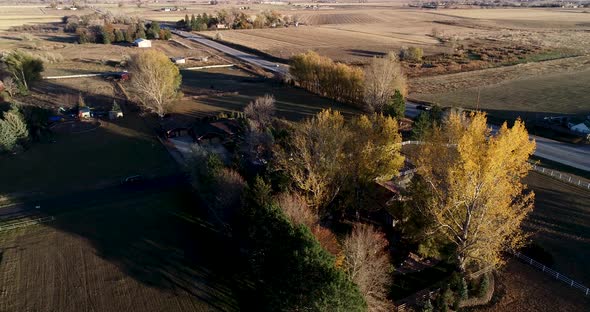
[530,91]
[354,36]
[141,253]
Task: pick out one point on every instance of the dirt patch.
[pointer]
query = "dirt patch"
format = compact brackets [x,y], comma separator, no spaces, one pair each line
[521,288]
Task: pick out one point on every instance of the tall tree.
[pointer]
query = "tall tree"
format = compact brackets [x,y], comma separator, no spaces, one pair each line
[13,129]
[326,157]
[396,107]
[383,77]
[367,263]
[24,68]
[154,81]
[154,30]
[261,111]
[119,37]
[373,151]
[476,199]
[314,157]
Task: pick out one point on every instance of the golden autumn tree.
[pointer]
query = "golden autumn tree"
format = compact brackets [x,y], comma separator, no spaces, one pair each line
[327,156]
[476,199]
[314,155]
[374,155]
[155,81]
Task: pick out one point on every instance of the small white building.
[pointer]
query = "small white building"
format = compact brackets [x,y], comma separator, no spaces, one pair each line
[178,60]
[142,43]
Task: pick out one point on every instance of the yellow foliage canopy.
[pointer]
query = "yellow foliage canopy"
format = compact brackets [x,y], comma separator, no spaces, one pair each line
[477,199]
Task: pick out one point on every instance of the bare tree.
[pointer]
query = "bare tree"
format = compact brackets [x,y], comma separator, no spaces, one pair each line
[10,86]
[296,209]
[382,77]
[154,81]
[261,111]
[367,263]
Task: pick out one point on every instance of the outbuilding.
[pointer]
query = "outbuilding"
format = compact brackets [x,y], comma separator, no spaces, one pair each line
[142,43]
[178,60]
[84,112]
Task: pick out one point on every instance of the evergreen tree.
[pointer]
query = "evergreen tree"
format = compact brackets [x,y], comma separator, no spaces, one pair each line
[396,106]
[193,24]
[154,30]
[119,37]
[130,34]
[187,22]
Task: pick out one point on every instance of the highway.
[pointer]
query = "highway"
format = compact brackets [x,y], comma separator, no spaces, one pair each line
[255,60]
[576,156]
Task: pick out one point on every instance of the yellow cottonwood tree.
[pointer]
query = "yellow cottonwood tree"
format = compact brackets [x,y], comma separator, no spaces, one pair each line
[373,155]
[313,158]
[476,198]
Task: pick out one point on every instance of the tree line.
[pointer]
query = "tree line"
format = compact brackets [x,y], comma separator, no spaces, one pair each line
[380,87]
[108,33]
[233,19]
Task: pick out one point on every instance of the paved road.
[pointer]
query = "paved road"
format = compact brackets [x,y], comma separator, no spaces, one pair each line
[568,154]
[255,60]
[577,156]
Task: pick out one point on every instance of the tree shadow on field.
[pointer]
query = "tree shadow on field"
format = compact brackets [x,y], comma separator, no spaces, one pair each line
[156,234]
[364,53]
[560,222]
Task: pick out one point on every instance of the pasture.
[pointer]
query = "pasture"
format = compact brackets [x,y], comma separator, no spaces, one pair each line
[530,97]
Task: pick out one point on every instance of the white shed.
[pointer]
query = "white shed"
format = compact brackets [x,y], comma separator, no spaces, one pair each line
[178,60]
[142,43]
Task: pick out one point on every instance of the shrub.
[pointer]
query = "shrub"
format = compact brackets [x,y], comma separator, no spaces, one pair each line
[411,54]
[484,285]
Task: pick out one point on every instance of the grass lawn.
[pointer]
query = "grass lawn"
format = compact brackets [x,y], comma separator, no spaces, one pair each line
[85,160]
[148,251]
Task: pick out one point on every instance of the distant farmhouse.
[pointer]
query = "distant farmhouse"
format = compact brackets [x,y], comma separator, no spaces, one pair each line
[142,43]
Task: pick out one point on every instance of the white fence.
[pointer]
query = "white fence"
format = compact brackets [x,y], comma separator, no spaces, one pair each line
[553,273]
[562,176]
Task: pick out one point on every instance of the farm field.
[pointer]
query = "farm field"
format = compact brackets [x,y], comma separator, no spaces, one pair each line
[144,252]
[539,91]
[560,223]
[356,36]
